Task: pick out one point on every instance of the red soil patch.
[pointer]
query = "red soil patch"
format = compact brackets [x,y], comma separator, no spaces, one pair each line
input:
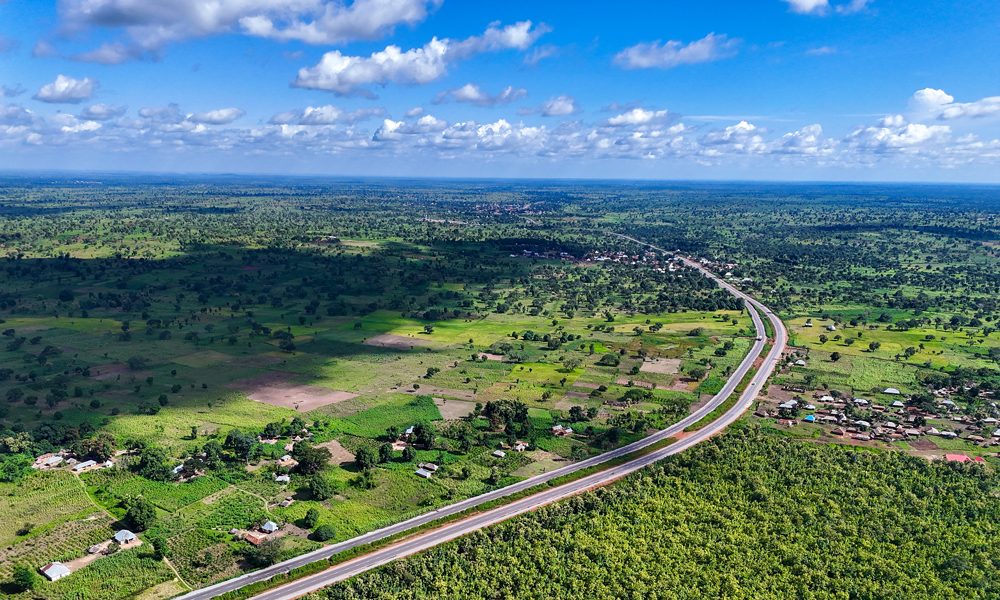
[397,342]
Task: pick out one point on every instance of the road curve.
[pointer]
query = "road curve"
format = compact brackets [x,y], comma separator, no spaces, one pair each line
[456,529]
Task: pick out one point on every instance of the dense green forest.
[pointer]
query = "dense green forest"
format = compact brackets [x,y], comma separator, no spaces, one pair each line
[741,516]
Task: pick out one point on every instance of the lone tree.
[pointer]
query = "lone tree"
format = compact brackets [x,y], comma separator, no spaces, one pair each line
[366,458]
[141,513]
[24,577]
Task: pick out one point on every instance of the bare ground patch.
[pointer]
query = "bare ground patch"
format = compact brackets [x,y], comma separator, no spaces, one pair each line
[299,397]
[496,357]
[589,386]
[578,395]
[398,342]
[682,384]
[454,409]
[923,445]
[544,462]
[430,390]
[775,392]
[663,366]
[338,454]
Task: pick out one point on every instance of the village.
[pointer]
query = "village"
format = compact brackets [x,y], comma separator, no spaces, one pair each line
[888,419]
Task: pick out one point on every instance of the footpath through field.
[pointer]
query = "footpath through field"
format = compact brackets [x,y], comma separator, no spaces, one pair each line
[452,530]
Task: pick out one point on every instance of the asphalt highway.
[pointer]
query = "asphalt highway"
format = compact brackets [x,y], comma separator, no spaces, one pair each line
[456,529]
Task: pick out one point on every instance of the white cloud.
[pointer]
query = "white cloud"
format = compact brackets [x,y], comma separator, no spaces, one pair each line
[329,115]
[892,121]
[169,113]
[11,114]
[343,74]
[109,54]
[855,6]
[929,97]
[150,26]
[639,116]
[898,139]
[541,53]
[66,90]
[631,133]
[392,131]
[222,116]
[102,112]
[805,7]
[822,50]
[981,108]
[473,94]
[743,137]
[673,53]
[415,112]
[560,106]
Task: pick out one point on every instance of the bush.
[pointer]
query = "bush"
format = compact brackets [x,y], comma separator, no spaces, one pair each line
[325,532]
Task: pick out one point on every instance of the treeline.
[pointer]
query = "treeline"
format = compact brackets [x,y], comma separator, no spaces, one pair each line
[743,516]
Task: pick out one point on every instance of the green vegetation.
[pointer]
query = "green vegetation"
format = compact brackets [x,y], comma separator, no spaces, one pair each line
[724,519]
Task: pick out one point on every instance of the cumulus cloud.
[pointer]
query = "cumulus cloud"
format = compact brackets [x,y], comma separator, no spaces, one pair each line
[905,139]
[222,116]
[822,7]
[150,26]
[639,116]
[632,133]
[805,7]
[326,115]
[391,131]
[475,95]
[102,112]
[931,103]
[981,108]
[66,90]
[13,115]
[344,74]
[415,112]
[674,53]
[892,121]
[560,106]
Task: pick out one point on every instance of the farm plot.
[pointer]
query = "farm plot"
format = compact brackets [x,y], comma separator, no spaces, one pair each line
[41,499]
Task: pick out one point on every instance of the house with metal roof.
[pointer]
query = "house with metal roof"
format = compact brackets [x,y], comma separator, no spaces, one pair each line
[124,536]
[55,570]
[269,527]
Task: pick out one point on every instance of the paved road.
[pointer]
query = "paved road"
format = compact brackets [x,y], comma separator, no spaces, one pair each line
[453,530]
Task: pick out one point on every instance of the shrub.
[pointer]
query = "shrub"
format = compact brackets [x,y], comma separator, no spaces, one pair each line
[325,532]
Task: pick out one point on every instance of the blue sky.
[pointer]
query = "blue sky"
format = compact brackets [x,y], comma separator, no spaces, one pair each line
[770,89]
